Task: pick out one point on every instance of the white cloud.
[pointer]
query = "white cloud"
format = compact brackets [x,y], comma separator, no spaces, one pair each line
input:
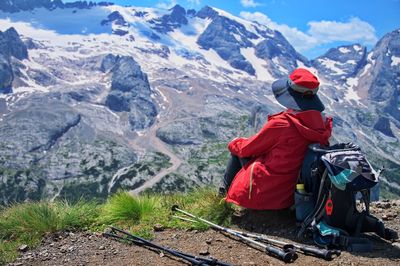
[249,3]
[194,2]
[355,30]
[319,32]
[166,4]
[300,40]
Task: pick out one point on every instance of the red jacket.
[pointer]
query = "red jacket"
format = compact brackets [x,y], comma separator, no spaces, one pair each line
[277,150]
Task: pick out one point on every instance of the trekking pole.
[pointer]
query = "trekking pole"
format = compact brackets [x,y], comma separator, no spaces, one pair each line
[140,243]
[307,250]
[195,260]
[288,255]
[326,254]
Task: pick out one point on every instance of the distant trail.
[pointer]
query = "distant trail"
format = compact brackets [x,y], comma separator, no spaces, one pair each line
[157,144]
[150,140]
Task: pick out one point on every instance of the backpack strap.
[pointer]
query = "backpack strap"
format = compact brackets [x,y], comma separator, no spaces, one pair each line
[366,198]
[353,244]
[360,222]
[319,206]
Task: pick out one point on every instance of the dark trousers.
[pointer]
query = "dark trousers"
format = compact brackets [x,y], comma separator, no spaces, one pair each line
[232,168]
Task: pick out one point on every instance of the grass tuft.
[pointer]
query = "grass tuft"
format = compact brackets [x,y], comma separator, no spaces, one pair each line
[125,208]
[81,214]
[27,223]
[33,219]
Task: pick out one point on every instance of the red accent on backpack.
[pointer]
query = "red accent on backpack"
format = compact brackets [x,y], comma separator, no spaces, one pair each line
[329,207]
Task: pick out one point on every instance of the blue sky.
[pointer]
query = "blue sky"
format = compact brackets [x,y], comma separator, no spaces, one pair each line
[312,27]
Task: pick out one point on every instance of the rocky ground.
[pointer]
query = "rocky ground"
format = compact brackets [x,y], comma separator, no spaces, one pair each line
[86,248]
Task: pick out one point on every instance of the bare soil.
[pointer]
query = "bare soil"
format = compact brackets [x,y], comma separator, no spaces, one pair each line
[86,248]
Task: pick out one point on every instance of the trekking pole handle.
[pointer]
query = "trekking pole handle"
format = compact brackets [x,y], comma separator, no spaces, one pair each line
[286,256]
[325,254]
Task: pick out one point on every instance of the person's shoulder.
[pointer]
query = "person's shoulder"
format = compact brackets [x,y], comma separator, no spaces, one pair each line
[277,115]
[278,120]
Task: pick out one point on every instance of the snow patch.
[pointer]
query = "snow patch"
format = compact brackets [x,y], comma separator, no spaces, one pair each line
[300,64]
[351,94]
[237,37]
[64,21]
[344,50]
[259,64]
[275,60]
[365,70]
[369,58]
[357,48]
[395,60]
[331,65]
[247,24]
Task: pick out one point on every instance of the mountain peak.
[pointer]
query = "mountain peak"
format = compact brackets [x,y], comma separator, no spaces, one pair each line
[13,45]
[177,8]
[207,12]
[169,22]
[342,62]
[178,15]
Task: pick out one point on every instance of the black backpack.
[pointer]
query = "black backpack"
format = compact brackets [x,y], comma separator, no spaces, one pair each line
[326,209]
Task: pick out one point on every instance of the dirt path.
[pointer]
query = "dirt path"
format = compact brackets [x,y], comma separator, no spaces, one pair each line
[149,140]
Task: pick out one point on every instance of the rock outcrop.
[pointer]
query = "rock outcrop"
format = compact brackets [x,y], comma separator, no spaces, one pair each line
[11,45]
[342,62]
[130,92]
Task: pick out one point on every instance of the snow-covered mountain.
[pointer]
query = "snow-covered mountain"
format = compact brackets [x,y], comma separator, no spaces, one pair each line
[94,97]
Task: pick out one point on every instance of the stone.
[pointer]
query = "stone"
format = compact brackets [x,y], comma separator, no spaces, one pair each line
[23,248]
[64,248]
[158,227]
[204,251]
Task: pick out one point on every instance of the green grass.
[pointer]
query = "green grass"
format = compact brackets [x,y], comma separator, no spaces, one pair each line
[27,223]
[123,207]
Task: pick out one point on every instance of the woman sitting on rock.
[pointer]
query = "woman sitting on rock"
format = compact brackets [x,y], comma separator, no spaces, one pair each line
[263,169]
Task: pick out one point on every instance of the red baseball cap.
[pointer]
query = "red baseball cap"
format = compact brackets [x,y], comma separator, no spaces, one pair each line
[298,91]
